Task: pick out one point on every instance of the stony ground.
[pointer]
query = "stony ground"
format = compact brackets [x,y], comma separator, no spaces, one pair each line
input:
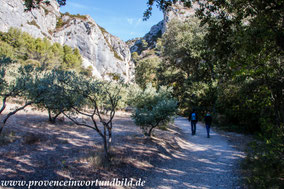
[34,149]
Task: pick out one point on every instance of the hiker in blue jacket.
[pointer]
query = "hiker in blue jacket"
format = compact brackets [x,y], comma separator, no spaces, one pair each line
[194,119]
[208,122]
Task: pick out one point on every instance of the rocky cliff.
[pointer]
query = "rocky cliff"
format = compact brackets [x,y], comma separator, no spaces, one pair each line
[151,37]
[106,53]
[176,11]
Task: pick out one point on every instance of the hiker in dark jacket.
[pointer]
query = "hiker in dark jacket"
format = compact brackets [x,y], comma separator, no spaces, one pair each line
[208,122]
[193,119]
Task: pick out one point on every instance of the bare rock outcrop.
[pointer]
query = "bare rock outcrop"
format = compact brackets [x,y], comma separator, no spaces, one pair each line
[106,53]
[176,11]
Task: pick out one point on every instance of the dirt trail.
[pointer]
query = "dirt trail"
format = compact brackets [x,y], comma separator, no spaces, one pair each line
[175,159]
[202,162]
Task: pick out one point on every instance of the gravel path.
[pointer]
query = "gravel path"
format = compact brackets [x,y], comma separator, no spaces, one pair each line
[201,163]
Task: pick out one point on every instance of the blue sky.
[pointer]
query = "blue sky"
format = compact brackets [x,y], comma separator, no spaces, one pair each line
[122,18]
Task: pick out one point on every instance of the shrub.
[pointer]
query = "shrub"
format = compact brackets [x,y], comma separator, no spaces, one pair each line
[33,22]
[7,138]
[59,23]
[32,138]
[153,108]
[265,163]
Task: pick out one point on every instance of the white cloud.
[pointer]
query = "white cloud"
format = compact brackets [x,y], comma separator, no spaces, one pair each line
[138,22]
[134,21]
[130,21]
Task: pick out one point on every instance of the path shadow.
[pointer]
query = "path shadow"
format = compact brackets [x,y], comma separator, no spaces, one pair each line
[181,162]
[201,163]
[43,151]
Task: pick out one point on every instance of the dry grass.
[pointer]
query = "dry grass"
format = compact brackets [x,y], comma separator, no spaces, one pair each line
[7,138]
[32,138]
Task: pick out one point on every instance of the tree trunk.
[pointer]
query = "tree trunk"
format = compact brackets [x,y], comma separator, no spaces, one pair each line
[278,109]
[52,119]
[1,128]
[2,125]
[109,138]
[49,116]
[106,149]
[106,152]
[150,131]
[3,105]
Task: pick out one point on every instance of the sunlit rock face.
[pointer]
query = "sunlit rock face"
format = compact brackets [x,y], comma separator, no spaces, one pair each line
[38,22]
[106,53]
[151,39]
[176,11]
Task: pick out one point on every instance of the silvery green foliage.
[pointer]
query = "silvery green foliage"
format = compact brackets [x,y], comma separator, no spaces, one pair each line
[50,91]
[15,82]
[3,64]
[153,107]
[95,100]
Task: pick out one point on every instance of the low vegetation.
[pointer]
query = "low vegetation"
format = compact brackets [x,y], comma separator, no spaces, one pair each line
[83,17]
[153,107]
[60,23]
[33,22]
[26,50]
[264,165]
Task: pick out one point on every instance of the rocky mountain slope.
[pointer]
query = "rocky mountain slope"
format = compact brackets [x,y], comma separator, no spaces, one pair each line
[176,11]
[106,53]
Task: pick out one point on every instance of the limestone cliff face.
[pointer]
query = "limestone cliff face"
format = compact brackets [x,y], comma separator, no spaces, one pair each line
[106,53]
[179,12]
[176,11]
[151,37]
[37,22]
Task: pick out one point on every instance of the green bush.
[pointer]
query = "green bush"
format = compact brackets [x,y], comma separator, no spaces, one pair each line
[265,162]
[153,108]
[23,48]
[7,138]
[60,23]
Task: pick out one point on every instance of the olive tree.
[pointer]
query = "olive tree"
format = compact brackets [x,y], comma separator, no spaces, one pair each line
[90,98]
[16,84]
[54,99]
[152,107]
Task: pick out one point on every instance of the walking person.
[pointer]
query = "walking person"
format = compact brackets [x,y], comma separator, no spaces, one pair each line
[193,119]
[208,122]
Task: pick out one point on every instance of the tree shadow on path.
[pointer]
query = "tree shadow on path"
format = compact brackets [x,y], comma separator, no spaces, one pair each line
[201,163]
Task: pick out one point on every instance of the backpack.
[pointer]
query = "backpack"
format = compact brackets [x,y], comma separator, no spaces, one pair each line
[193,116]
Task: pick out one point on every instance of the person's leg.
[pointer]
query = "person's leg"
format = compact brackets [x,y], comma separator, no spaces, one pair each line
[208,130]
[192,131]
[194,128]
